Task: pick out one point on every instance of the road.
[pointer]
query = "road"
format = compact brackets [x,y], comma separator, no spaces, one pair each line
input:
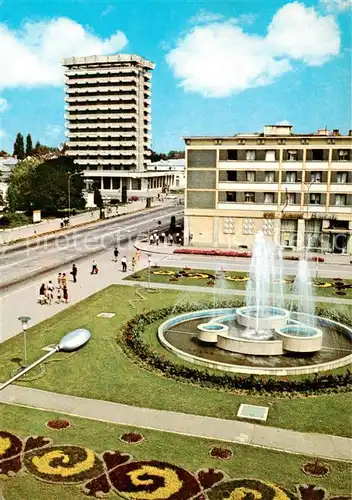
[28,262]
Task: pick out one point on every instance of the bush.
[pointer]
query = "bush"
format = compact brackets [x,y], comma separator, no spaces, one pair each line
[15,219]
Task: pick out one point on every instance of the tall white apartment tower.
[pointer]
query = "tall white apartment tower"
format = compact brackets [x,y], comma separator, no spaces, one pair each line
[108,121]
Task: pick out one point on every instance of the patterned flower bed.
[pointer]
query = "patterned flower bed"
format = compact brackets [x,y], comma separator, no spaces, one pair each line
[221,453]
[58,424]
[316,469]
[132,438]
[117,472]
[234,253]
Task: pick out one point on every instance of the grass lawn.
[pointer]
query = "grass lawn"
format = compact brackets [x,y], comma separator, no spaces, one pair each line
[163,275]
[102,371]
[186,452]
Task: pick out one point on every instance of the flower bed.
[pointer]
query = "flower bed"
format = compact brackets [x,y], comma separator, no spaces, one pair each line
[132,342]
[220,253]
[237,489]
[315,469]
[221,453]
[132,437]
[58,424]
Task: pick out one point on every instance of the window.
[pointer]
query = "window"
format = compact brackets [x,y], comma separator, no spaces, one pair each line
[344,155]
[340,200]
[291,177]
[270,155]
[249,197]
[250,176]
[291,198]
[268,197]
[231,196]
[232,154]
[292,155]
[314,198]
[250,155]
[341,177]
[115,183]
[269,176]
[315,176]
[106,183]
[317,154]
[231,175]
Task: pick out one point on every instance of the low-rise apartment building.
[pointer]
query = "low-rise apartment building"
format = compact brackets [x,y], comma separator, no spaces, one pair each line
[296,188]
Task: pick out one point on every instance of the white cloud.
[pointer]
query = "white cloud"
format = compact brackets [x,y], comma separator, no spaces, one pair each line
[4,105]
[284,122]
[220,59]
[32,56]
[204,16]
[107,11]
[336,5]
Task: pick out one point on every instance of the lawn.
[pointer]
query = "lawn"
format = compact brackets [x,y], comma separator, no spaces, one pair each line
[102,371]
[246,462]
[234,280]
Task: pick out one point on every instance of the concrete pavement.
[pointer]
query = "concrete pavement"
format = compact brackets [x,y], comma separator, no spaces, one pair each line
[317,445]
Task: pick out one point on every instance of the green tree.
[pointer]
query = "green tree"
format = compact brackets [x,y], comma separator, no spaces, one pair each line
[18,147]
[29,145]
[19,191]
[172,229]
[124,194]
[98,200]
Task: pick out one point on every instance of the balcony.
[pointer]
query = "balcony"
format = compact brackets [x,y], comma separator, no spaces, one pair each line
[97,99]
[99,135]
[98,117]
[71,108]
[249,165]
[100,80]
[247,186]
[110,161]
[114,90]
[100,71]
[247,207]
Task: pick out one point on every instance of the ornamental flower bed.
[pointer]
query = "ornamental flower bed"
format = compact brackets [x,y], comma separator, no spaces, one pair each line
[221,453]
[237,489]
[220,253]
[58,424]
[132,438]
[316,469]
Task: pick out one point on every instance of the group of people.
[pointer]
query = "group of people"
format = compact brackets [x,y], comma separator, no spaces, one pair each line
[47,291]
[156,238]
[64,222]
[124,262]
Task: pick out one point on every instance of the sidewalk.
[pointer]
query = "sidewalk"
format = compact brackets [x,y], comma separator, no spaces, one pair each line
[48,225]
[317,445]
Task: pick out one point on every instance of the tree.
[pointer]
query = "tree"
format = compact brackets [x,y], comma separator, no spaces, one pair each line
[19,194]
[29,145]
[18,147]
[3,154]
[98,200]
[124,194]
[172,224]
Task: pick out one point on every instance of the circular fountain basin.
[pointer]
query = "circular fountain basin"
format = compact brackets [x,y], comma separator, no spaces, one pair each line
[208,332]
[301,338]
[270,318]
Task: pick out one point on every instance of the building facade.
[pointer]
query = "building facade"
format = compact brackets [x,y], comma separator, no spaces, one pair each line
[108,121]
[296,188]
[6,166]
[174,169]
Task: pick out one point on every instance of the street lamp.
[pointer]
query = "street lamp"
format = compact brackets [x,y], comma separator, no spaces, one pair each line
[24,322]
[149,261]
[70,342]
[69,192]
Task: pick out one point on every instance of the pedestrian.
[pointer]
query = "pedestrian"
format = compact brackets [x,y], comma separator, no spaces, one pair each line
[42,294]
[156,239]
[63,280]
[151,239]
[50,292]
[124,264]
[59,280]
[116,254]
[162,238]
[65,291]
[94,267]
[61,223]
[133,263]
[171,240]
[74,273]
[177,241]
[138,255]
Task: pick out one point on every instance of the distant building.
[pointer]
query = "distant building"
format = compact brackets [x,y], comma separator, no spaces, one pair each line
[175,168]
[108,122]
[296,188]
[6,166]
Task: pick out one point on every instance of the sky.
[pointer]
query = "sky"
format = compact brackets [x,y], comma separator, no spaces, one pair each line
[222,67]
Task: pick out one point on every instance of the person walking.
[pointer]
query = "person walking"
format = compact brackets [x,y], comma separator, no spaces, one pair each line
[42,294]
[124,264]
[94,267]
[116,254]
[133,263]
[156,239]
[50,292]
[74,273]
[65,292]
[162,237]
[171,239]
[151,239]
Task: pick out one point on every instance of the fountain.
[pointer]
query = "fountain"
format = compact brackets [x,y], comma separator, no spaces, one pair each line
[262,333]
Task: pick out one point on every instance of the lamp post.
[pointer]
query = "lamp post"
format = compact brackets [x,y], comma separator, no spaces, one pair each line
[69,193]
[70,342]
[149,261]
[24,322]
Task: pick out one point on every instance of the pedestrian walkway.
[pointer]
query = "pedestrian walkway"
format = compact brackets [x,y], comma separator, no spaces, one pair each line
[317,445]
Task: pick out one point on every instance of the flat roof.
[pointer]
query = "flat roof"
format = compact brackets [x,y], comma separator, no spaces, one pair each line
[115,58]
[262,135]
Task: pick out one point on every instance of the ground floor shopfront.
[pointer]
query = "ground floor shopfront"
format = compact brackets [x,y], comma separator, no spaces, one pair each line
[237,232]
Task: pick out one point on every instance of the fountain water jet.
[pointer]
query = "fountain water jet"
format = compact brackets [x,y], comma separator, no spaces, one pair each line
[303,297]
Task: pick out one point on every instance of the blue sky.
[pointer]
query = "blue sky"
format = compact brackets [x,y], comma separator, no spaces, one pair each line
[221,67]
